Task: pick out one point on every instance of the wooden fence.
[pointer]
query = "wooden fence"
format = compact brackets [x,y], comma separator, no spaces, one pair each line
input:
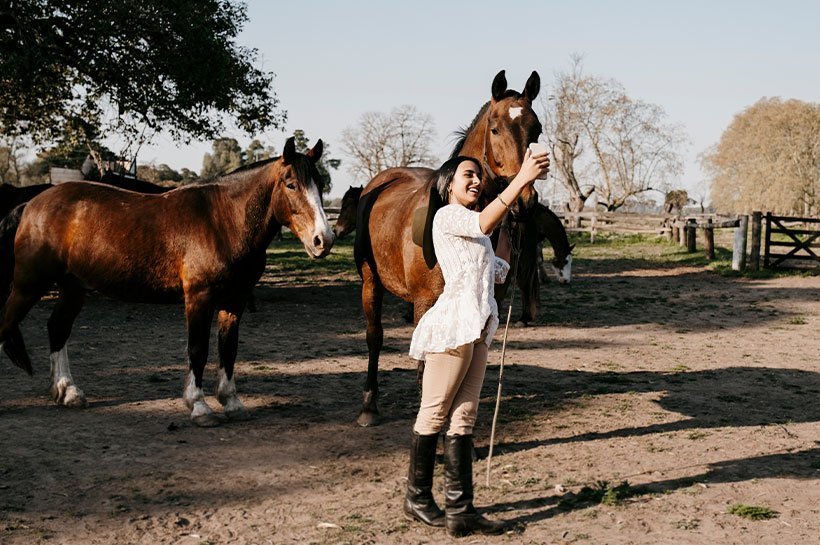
[802,235]
[803,238]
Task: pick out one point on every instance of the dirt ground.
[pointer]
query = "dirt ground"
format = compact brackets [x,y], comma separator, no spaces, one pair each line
[698,390]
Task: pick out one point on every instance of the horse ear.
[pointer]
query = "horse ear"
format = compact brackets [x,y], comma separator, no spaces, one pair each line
[289,153]
[316,153]
[571,247]
[532,86]
[499,86]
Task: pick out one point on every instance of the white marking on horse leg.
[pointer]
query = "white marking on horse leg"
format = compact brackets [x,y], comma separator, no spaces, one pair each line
[515,111]
[63,389]
[191,394]
[201,413]
[226,394]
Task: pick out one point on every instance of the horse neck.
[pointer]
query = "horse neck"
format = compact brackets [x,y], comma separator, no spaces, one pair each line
[557,234]
[253,199]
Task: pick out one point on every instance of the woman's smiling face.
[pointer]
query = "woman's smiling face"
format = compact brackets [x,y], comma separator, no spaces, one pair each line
[466,185]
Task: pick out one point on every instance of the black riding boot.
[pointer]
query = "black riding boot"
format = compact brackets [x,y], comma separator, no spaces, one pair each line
[461,518]
[418,502]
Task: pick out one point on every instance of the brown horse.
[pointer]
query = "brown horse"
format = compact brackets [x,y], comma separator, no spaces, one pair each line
[385,253]
[346,222]
[204,245]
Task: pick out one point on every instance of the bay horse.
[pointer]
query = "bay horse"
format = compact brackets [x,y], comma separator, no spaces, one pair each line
[346,222]
[204,245]
[387,258]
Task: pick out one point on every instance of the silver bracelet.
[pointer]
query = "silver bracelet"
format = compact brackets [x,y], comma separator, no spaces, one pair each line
[507,206]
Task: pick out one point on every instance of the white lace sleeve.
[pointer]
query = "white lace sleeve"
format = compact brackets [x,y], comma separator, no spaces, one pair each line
[456,220]
[501,269]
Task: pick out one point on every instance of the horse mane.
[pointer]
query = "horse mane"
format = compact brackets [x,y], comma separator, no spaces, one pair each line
[461,134]
[248,170]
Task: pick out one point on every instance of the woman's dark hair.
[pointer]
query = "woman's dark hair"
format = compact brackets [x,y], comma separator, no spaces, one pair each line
[443,177]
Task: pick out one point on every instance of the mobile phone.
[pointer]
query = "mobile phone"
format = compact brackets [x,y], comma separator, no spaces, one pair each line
[537,148]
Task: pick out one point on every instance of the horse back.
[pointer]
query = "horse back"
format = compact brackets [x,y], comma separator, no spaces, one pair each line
[128,245]
[398,262]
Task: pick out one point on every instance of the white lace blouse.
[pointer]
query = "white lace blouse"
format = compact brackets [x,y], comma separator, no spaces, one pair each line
[470,270]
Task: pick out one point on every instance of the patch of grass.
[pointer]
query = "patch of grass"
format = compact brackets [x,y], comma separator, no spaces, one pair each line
[601,493]
[752,512]
[798,320]
[687,524]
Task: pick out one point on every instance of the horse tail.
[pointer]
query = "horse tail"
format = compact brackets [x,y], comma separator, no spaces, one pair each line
[362,250]
[8,230]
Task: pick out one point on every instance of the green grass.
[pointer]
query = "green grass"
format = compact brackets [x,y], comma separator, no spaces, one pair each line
[752,512]
[288,262]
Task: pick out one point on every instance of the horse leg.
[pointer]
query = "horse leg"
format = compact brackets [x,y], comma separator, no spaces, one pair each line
[228,320]
[63,389]
[199,313]
[372,296]
[527,281]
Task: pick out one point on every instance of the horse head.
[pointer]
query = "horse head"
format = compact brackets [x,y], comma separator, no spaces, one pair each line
[297,201]
[346,221]
[562,266]
[511,125]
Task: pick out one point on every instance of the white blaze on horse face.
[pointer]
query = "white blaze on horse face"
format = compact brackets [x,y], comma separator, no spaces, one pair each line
[321,227]
[515,111]
[565,274]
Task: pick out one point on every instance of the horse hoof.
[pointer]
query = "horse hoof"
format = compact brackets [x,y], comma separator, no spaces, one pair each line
[367,419]
[207,420]
[238,415]
[74,398]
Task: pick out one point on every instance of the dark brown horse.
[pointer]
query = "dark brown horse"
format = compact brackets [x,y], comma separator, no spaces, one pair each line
[346,222]
[204,245]
[541,223]
[385,253]
[11,196]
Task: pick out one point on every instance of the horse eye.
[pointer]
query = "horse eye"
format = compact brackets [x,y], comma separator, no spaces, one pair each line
[291,185]
[494,131]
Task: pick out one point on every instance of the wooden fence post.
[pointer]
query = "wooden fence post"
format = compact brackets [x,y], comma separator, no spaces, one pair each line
[667,229]
[768,239]
[593,228]
[754,258]
[739,247]
[682,233]
[709,240]
[691,232]
[673,225]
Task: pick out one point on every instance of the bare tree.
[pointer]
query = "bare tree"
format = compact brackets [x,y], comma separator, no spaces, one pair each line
[636,152]
[605,142]
[567,109]
[768,158]
[379,141]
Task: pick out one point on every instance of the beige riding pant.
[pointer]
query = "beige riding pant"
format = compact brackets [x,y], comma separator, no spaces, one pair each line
[450,389]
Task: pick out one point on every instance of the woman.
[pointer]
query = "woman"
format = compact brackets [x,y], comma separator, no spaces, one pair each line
[453,338]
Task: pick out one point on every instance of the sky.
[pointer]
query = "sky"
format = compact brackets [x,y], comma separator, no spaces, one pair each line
[702,61]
